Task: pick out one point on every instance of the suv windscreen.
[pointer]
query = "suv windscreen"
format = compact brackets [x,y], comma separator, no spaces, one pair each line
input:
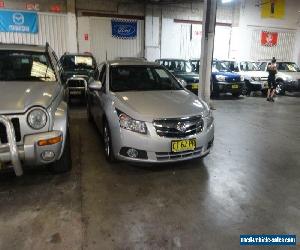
[71,62]
[231,65]
[288,67]
[141,78]
[248,66]
[177,65]
[219,66]
[25,66]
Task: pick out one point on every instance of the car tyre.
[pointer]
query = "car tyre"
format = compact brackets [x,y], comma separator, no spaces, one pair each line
[236,95]
[280,89]
[88,109]
[107,143]
[64,164]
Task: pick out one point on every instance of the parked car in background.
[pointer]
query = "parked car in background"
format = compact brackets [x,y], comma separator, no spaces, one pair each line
[222,79]
[34,127]
[145,115]
[78,68]
[255,80]
[182,70]
[287,78]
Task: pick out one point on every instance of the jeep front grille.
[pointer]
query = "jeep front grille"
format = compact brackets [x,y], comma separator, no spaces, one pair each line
[178,127]
[3,135]
[76,84]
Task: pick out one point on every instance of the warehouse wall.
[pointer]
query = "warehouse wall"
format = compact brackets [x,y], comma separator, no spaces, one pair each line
[167,38]
[246,36]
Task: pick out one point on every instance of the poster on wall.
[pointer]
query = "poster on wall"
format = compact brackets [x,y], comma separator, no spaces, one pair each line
[269,39]
[273,9]
[124,29]
[18,21]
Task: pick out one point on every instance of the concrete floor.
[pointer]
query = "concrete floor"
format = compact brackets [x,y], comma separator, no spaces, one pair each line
[248,184]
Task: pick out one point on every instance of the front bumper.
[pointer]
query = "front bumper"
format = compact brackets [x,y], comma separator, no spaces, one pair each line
[234,87]
[157,149]
[29,152]
[256,85]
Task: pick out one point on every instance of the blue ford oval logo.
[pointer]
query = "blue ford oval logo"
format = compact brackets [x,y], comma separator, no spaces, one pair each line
[125,30]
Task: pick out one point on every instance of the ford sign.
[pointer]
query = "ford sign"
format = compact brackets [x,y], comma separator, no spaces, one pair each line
[124,29]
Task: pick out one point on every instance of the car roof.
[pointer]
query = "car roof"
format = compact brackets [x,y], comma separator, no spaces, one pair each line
[23,47]
[78,54]
[171,59]
[131,62]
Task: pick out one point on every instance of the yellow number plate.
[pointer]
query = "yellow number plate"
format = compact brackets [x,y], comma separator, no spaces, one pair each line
[195,86]
[235,86]
[183,145]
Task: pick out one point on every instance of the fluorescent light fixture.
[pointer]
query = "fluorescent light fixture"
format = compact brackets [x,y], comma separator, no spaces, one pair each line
[226,1]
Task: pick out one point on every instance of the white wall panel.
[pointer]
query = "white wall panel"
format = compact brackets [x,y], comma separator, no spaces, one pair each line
[52,29]
[284,49]
[104,46]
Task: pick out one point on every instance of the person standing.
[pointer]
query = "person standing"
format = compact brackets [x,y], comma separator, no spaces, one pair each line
[272,69]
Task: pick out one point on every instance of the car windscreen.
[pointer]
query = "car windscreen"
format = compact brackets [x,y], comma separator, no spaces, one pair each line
[230,65]
[288,67]
[25,66]
[218,66]
[248,66]
[141,78]
[71,62]
[177,65]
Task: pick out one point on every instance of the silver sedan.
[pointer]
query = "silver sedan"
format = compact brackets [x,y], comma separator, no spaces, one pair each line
[145,115]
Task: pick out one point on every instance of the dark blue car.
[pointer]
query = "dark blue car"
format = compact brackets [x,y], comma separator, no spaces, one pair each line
[222,79]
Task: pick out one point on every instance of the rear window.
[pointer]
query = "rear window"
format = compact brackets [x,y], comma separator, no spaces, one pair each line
[25,66]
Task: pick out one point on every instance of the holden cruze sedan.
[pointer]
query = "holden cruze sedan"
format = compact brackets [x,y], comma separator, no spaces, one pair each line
[146,115]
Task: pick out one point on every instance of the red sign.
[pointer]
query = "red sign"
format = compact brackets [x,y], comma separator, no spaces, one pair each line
[86,37]
[2,5]
[269,38]
[55,8]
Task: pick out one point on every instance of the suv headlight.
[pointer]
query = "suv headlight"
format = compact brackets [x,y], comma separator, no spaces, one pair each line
[220,78]
[255,78]
[126,122]
[242,78]
[37,119]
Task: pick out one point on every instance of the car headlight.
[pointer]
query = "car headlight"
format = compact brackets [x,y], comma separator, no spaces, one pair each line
[210,119]
[182,82]
[37,119]
[255,79]
[220,78]
[126,122]
[242,78]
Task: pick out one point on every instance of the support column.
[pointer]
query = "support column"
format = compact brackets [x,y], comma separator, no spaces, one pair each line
[207,48]
[72,27]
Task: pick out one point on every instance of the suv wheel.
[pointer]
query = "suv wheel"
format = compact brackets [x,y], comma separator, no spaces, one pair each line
[280,89]
[107,143]
[64,164]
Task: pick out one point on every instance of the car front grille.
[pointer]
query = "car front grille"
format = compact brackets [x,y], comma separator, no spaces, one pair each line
[76,84]
[195,80]
[165,156]
[236,79]
[3,134]
[178,127]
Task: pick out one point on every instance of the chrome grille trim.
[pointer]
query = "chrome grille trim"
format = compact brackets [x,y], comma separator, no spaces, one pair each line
[170,127]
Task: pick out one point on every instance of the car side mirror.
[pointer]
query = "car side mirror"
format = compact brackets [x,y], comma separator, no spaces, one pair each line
[95,85]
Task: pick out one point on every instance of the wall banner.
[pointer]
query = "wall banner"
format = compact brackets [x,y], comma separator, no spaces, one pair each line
[269,39]
[124,29]
[18,21]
